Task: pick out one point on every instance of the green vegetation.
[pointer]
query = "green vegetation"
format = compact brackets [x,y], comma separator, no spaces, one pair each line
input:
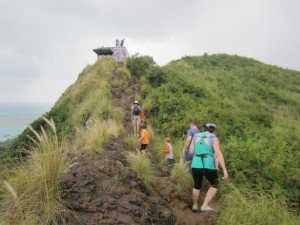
[85,119]
[259,207]
[256,108]
[184,183]
[86,101]
[131,143]
[142,166]
[30,192]
[100,133]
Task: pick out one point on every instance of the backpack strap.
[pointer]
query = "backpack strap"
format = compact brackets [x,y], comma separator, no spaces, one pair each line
[209,136]
[195,136]
[211,139]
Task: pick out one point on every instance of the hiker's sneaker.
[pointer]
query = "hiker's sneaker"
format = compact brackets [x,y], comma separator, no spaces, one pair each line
[195,208]
[206,209]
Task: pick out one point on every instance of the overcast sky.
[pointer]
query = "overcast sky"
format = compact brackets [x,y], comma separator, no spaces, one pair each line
[45,44]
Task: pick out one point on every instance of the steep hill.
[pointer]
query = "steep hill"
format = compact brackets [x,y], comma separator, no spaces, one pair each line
[256,108]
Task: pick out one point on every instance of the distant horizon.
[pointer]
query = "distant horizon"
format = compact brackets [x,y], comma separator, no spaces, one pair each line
[25,104]
[14,118]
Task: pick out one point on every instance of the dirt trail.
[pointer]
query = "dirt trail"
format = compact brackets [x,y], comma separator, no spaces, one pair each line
[101,189]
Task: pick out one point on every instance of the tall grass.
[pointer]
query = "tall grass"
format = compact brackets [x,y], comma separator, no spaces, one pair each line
[247,206]
[30,192]
[100,133]
[142,166]
[184,183]
[132,143]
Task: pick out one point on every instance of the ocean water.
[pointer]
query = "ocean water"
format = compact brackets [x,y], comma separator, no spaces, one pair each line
[14,118]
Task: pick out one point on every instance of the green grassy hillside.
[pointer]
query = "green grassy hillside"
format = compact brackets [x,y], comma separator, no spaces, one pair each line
[256,108]
[33,168]
[88,99]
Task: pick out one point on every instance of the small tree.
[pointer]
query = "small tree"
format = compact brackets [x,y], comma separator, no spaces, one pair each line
[156,76]
[139,65]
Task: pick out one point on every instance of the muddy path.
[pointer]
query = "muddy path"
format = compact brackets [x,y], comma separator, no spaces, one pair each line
[101,189]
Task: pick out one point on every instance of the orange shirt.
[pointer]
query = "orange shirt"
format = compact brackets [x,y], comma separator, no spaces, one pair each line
[167,149]
[145,137]
[142,116]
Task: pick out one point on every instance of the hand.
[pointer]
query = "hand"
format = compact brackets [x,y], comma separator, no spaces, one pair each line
[225,174]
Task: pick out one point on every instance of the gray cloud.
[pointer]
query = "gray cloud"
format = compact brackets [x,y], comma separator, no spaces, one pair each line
[45,44]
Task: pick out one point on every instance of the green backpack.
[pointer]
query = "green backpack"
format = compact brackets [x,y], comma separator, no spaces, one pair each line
[136,110]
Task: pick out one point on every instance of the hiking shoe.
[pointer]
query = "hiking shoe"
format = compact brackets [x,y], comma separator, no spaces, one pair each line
[206,209]
[195,208]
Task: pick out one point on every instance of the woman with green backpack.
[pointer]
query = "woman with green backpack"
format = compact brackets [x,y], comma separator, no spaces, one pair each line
[205,146]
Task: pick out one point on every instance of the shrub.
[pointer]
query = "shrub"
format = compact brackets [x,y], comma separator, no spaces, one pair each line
[124,73]
[139,65]
[155,76]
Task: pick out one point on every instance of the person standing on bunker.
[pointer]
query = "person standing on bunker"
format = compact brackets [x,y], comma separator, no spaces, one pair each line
[122,42]
[117,43]
[135,118]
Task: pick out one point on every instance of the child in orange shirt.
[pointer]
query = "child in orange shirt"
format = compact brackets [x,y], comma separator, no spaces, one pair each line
[142,116]
[169,152]
[144,138]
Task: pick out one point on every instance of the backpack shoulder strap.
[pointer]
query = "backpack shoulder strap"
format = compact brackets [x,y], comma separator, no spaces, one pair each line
[211,139]
[194,137]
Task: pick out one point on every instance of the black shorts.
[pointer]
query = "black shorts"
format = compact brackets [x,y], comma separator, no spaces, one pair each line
[143,146]
[211,176]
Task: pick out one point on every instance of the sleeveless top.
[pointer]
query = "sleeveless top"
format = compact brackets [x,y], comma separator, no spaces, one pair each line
[204,154]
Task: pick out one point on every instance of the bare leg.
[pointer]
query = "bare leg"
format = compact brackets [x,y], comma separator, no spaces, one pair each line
[138,129]
[211,193]
[196,193]
[134,130]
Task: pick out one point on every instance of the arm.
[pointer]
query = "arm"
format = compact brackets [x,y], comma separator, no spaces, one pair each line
[167,150]
[192,146]
[187,142]
[131,115]
[220,157]
[216,162]
[142,136]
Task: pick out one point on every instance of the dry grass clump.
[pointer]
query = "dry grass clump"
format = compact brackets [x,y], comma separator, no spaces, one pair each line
[143,168]
[131,143]
[184,183]
[100,133]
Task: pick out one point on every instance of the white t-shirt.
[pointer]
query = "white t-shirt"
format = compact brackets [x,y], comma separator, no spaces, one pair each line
[170,154]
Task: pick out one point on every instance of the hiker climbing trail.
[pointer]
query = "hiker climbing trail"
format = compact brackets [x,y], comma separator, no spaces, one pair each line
[179,203]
